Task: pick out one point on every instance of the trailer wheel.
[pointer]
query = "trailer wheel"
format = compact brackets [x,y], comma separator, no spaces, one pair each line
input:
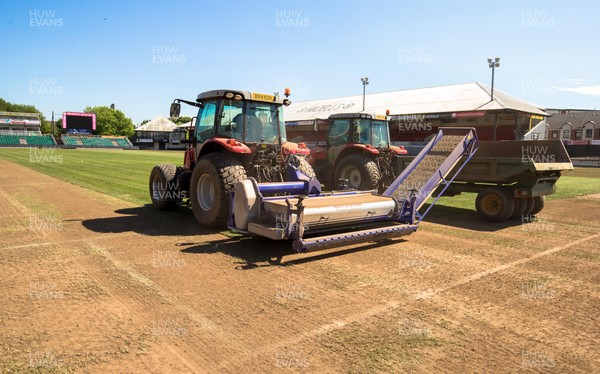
[520,206]
[213,179]
[529,209]
[360,171]
[302,164]
[538,204]
[163,187]
[495,204]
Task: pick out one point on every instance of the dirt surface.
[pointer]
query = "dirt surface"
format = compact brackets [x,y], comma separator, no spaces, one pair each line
[93,284]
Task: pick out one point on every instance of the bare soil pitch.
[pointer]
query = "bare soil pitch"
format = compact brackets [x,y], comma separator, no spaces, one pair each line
[94,284]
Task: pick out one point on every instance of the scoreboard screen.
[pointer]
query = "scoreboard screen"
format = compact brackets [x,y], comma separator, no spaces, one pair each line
[79,122]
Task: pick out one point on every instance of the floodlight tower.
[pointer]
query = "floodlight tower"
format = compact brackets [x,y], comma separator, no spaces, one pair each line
[364,81]
[493,64]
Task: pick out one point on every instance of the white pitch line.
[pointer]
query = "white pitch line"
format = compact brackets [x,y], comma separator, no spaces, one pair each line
[392,305]
[510,265]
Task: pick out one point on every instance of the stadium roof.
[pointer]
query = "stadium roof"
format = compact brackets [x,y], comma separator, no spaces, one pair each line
[158,124]
[464,97]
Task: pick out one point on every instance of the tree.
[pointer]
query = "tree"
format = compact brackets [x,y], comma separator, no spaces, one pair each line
[181,120]
[144,122]
[111,121]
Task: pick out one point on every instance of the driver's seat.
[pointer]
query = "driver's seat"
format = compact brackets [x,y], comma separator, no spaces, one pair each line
[254,128]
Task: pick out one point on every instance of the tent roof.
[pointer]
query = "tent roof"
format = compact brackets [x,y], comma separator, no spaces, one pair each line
[443,99]
[158,124]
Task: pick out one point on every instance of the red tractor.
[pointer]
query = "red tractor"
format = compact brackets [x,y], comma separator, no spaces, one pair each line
[357,153]
[237,134]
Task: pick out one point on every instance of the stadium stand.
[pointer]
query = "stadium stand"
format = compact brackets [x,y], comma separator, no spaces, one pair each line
[36,140]
[96,141]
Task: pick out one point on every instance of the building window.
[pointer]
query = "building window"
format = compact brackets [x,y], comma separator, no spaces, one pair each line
[589,133]
[566,134]
[555,135]
[578,134]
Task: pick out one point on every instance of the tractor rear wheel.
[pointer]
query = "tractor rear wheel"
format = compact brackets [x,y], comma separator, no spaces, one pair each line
[495,204]
[213,180]
[301,163]
[163,187]
[360,171]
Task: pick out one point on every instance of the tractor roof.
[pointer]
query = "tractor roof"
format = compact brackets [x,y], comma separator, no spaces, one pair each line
[359,115]
[243,95]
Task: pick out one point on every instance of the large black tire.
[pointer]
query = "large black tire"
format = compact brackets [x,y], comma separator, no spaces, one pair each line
[213,179]
[301,163]
[361,172]
[538,204]
[163,187]
[520,206]
[495,204]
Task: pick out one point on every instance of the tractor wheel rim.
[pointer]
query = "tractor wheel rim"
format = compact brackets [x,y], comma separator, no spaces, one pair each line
[491,205]
[205,192]
[157,188]
[352,174]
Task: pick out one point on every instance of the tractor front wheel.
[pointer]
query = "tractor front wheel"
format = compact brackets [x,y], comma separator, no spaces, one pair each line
[301,163]
[213,180]
[360,171]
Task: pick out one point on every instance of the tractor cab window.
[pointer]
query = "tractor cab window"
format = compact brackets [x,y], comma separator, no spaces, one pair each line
[361,131]
[231,120]
[205,124]
[380,136]
[339,132]
[251,121]
[269,125]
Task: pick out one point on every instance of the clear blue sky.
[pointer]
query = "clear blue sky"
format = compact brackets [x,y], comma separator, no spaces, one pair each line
[139,55]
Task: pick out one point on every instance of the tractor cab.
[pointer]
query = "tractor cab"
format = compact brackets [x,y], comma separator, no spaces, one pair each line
[357,129]
[249,125]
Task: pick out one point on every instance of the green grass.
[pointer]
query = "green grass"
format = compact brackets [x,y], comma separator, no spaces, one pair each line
[122,174]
